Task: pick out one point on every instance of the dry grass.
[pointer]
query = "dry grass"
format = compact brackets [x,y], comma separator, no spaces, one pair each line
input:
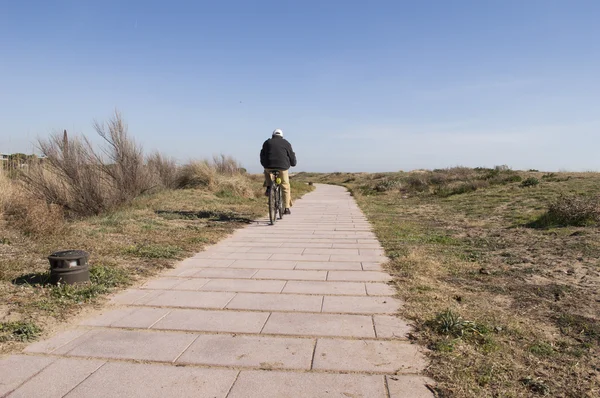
[506,310]
[222,175]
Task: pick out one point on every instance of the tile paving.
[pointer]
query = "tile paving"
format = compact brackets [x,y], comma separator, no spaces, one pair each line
[299,309]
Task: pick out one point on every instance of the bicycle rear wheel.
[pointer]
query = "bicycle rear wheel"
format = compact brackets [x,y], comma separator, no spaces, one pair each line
[279,202]
[272,205]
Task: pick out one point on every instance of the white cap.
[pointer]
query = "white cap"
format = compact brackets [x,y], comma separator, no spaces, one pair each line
[278,132]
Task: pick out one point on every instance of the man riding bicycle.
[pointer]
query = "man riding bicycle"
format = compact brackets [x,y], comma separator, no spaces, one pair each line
[277,154]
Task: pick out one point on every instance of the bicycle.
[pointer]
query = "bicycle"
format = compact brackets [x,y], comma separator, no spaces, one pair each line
[275,197]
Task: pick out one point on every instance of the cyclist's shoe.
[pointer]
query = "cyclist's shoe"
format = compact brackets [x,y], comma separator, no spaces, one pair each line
[287,211]
[268,191]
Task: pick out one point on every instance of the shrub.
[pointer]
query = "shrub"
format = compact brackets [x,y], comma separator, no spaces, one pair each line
[530,182]
[417,182]
[197,174]
[34,216]
[164,169]
[222,175]
[227,165]
[7,188]
[574,210]
[463,188]
[387,184]
[85,181]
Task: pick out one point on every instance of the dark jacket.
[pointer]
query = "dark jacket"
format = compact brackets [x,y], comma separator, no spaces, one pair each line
[277,153]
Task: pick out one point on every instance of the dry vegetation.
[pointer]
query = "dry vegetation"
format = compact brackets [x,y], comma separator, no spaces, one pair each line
[134,214]
[499,271]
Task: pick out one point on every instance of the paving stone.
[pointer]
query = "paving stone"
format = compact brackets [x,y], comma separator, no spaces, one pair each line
[250,351]
[320,325]
[300,257]
[108,317]
[262,384]
[372,252]
[329,265]
[388,327]
[125,380]
[307,245]
[361,258]
[222,248]
[374,245]
[281,250]
[204,263]
[331,288]
[358,276]
[17,369]
[368,356]
[225,273]
[55,342]
[404,386]
[213,321]
[331,251]
[191,284]
[162,283]
[182,272]
[127,344]
[366,266]
[141,318]
[360,305]
[276,302]
[190,299]
[258,243]
[380,289]
[264,264]
[291,274]
[130,296]
[250,256]
[244,285]
[71,371]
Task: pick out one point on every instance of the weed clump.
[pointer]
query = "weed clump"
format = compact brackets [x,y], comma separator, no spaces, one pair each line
[530,182]
[153,251]
[18,331]
[449,323]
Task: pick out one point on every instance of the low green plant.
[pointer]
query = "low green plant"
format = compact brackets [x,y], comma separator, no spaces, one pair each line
[153,251]
[530,182]
[449,323]
[542,349]
[18,331]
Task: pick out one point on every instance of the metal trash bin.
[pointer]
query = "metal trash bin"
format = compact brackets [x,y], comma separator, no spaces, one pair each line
[69,267]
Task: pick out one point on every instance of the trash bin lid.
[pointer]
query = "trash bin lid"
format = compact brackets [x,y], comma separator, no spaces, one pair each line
[69,255]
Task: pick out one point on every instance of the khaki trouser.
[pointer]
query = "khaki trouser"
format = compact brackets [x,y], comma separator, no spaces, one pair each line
[285,185]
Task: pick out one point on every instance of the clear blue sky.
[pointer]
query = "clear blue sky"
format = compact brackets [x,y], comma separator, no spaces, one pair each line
[355,85]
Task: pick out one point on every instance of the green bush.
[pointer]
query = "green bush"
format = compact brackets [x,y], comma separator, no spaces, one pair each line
[530,182]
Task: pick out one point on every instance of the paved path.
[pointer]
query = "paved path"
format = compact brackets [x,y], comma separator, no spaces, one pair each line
[300,309]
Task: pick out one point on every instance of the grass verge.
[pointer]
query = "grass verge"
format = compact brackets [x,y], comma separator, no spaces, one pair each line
[508,306]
